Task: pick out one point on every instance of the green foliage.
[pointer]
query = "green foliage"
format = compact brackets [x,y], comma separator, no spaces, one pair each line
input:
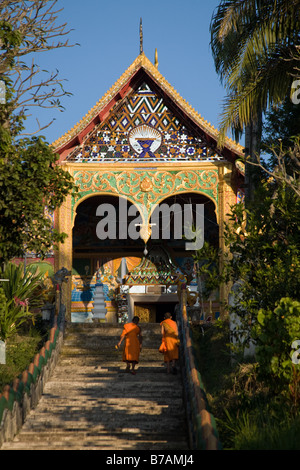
[22,285]
[21,292]
[207,266]
[254,45]
[265,248]
[212,352]
[274,333]
[249,414]
[20,350]
[10,39]
[262,429]
[265,269]
[281,124]
[12,316]
[30,183]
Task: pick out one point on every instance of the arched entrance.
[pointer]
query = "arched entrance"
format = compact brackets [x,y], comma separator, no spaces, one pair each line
[98,252]
[113,258]
[170,244]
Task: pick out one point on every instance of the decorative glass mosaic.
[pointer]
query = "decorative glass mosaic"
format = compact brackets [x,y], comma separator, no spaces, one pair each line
[143,129]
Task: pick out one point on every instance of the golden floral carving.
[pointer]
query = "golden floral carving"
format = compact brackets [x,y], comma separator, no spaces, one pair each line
[146,185]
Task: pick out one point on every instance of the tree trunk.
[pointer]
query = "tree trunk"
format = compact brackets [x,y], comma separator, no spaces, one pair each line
[252,150]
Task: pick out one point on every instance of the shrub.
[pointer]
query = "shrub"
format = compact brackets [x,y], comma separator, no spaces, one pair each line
[274,334]
[21,293]
[12,316]
[22,285]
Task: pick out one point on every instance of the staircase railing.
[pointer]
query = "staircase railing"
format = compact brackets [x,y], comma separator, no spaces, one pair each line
[24,393]
[202,430]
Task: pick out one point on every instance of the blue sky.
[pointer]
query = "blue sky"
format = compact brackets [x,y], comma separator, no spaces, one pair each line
[108,34]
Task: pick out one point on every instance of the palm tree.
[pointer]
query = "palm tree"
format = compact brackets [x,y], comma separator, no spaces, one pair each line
[254,45]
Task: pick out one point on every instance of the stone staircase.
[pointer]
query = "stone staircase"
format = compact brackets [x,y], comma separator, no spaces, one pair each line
[91,403]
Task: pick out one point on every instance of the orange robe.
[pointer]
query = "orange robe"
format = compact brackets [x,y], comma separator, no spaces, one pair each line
[131,351]
[170,338]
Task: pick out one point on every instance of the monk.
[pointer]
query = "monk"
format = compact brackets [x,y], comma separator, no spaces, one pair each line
[169,331]
[133,344]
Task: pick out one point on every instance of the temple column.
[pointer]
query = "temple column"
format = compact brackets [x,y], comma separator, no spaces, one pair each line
[227,198]
[64,254]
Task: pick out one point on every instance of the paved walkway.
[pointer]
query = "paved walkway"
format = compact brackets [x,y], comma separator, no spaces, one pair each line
[91,403]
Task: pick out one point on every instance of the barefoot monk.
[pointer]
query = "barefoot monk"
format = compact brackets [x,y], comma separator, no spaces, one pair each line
[133,343]
[170,338]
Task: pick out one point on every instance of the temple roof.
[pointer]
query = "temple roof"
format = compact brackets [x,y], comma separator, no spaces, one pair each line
[154,269]
[116,94]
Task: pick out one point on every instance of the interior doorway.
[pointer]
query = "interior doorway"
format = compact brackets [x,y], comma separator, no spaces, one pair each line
[154,312]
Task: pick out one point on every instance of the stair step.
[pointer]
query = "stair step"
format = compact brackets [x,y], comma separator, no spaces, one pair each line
[90,402]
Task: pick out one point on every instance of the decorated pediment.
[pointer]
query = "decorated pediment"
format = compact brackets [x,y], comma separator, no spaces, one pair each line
[143,118]
[143,129]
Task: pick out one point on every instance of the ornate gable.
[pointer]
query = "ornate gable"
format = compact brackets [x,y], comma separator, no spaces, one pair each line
[143,129]
[143,118]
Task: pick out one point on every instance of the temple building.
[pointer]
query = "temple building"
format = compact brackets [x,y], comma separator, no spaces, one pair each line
[140,147]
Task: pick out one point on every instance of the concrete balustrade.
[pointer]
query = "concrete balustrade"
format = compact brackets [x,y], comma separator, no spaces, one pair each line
[23,395]
[89,349]
[203,434]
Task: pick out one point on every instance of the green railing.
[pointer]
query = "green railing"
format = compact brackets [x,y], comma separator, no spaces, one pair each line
[203,434]
[24,393]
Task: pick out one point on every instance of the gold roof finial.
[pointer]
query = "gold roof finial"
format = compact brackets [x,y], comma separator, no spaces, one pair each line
[141,36]
[156,58]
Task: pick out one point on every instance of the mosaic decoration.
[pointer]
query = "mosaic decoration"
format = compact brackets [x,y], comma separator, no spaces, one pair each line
[240,166]
[155,269]
[143,128]
[145,140]
[240,196]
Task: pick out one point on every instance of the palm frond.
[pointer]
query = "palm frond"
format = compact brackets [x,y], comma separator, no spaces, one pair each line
[253,43]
